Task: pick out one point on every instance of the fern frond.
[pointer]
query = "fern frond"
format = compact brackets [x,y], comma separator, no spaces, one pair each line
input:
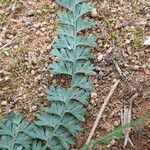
[14,132]
[59,123]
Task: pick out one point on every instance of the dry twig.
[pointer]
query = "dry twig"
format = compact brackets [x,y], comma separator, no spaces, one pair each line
[118,67]
[102,110]
[126,119]
[10,42]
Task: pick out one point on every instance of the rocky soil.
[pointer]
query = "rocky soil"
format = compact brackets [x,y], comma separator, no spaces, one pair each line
[27,32]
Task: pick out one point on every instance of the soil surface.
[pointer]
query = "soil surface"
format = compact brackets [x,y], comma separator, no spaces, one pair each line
[27,32]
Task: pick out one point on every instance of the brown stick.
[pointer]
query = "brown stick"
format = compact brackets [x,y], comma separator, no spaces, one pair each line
[127,119]
[10,42]
[101,110]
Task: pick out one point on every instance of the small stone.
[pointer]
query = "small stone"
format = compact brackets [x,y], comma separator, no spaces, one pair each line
[32,72]
[39,11]
[43,29]
[147,72]
[39,77]
[93,95]
[10,36]
[28,23]
[136,67]
[34,108]
[94,13]
[44,23]
[31,13]
[147,42]
[38,32]
[16,46]
[51,75]
[49,47]
[37,25]
[92,101]
[32,57]
[7,78]
[62,81]
[25,21]
[127,41]
[4,103]
[6,53]
[116,123]
[100,57]
[54,81]
[114,80]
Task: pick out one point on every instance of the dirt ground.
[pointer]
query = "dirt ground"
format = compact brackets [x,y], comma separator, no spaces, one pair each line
[27,31]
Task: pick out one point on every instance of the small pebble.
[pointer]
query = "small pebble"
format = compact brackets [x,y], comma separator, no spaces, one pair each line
[51,75]
[31,13]
[116,123]
[100,57]
[135,67]
[16,46]
[32,72]
[93,95]
[37,25]
[39,77]
[4,103]
[34,108]
[54,81]
[10,36]
[94,13]
[43,29]
[38,32]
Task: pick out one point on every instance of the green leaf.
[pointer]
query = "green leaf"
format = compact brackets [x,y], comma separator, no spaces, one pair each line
[66,30]
[82,9]
[86,41]
[61,67]
[66,18]
[66,42]
[81,96]
[41,133]
[63,54]
[71,124]
[83,24]
[77,110]
[55,108]
[82,82]
[38,146]
[47,120]
[84,67]
[14,132]
[59,94]
[69,4]
[68,55]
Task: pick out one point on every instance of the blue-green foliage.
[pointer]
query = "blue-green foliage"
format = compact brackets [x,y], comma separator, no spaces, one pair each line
[57,126]
[59,123]
[14,133]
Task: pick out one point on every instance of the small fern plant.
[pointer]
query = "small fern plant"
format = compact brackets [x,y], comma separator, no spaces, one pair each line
[59,123]
[57,126]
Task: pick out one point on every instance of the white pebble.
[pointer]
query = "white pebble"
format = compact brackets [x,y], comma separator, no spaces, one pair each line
[100,57]
[4,103]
